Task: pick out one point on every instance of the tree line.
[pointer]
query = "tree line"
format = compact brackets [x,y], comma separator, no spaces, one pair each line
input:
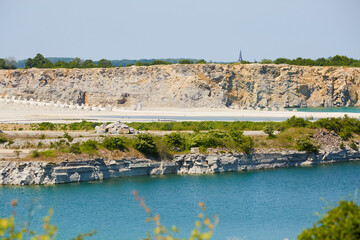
[331,61]
[39,61]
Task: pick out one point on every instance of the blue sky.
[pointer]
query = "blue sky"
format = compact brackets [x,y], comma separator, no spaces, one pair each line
[209,29]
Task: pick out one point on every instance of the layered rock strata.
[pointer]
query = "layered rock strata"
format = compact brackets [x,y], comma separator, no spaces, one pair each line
[196,85]
[24,173]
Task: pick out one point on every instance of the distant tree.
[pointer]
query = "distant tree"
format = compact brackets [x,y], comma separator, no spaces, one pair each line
[103,63]
[159,62]
[266,61]
[139,64]
[4,65]
[185,61]
[76,63]
[38,62]
[201,61]
[282,61]
[89,64]
[11,62]
[61,64]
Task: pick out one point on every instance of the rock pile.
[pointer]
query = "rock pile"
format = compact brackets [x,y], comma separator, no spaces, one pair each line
[115,128]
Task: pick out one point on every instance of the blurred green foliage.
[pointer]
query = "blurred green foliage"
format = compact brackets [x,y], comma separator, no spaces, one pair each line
[341,222]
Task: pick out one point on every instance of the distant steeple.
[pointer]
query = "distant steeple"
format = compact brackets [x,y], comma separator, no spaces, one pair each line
[240,57]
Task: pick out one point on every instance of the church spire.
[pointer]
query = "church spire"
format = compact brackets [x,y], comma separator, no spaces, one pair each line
[240,57]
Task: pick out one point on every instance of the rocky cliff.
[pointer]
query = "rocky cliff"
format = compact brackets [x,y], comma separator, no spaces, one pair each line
[197,85]
[24,173]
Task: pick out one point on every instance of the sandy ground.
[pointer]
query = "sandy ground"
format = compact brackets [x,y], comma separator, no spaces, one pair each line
[17,113]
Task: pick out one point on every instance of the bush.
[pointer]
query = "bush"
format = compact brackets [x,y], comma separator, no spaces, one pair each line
[342,222]
[167,127]
[305,144]
[68,137]
[269,130]
[296,122]
[75,148]
[175,140]
[209,139]
[354,146]
[3,139]
[343,126]
[114,143]
[90,146]
[45,154]
[246,144]
[145,144]
[35,154]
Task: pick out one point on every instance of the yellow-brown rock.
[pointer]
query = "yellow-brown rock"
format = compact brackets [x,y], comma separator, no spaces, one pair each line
[196,85]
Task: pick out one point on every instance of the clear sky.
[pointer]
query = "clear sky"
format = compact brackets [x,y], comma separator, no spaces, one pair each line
[211,29]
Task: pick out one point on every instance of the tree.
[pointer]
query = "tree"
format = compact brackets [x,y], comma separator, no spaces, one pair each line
[5,65]
[11,62]
[201,61]
[266,61]
[61,64]
[88,64]
[38,62]
[282,61]
[185,61]
[341,222]
[103,63]
[76,63]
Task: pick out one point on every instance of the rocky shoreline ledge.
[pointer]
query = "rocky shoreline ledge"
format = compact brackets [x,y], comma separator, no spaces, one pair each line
[35,172]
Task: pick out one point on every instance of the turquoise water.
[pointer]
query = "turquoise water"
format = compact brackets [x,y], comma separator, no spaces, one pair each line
[328,109]
[270,204]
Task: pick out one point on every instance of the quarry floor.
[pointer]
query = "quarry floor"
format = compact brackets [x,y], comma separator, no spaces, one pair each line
[17,113]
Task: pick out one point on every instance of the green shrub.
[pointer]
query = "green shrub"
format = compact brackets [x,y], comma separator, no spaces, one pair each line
[114,143]
[269,130]
[48,153]
[3,139]
[341,222]
[89,146]
[167,127]
[305,144]
[46,126]
[354,146]
[211,139]
[145,144]
[296,122]
[35,154]
[246,144]
[68,137]
[75,148]
[176,140]
[343,126]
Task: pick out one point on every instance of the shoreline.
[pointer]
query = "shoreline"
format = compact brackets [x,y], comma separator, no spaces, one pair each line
[47,173]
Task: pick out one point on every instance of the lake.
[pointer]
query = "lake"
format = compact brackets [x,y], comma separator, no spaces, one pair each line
[268,204]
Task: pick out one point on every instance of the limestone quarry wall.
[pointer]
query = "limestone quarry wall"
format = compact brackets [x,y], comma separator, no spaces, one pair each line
[33,172]
[197,85]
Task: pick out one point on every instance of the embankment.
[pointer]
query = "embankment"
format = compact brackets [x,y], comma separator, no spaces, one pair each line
[32,172]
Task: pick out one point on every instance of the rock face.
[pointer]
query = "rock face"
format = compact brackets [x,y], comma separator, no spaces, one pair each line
[24,173]
[197,85]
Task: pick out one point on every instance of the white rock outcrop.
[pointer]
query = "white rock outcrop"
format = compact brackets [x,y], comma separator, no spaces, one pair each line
[31,172]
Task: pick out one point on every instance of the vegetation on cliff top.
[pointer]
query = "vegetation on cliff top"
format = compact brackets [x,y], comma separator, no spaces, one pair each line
[39,61]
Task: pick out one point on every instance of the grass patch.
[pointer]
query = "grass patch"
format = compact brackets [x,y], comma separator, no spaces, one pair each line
[45,154]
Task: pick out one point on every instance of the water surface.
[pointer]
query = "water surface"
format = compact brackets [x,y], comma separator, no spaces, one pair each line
[269,204]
